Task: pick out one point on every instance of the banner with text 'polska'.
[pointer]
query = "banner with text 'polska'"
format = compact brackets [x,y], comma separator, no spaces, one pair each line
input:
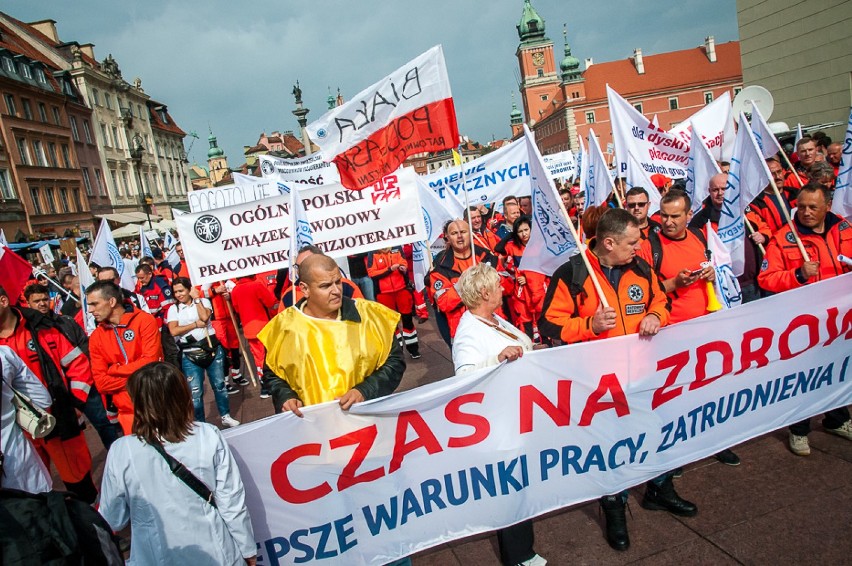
[408,112]
[474,453]
[253,237]
[487,179]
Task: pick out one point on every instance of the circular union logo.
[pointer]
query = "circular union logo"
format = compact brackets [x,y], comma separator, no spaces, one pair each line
[207,228]
[129,335]
[267,167]
[322,133]
[635,293]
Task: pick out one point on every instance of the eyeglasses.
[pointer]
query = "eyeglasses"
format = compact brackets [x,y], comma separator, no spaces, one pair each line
[636,204]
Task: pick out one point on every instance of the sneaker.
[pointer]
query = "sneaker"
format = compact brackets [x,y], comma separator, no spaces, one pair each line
[534,561]
[232,390]
[728,457]
[264,394]
[415,355]
[234,373]
[844,430]
[228,421]
[240,380]
[799,445]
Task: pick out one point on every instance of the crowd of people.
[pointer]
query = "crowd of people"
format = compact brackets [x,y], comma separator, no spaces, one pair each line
[310,335]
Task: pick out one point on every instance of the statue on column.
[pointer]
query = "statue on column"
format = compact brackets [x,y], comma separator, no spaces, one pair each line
[297,92]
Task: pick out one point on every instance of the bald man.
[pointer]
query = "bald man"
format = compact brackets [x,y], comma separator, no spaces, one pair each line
[329,347]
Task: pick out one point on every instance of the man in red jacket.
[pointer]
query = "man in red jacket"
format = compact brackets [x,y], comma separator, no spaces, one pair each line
[255,304]
[122,343]
[388,269]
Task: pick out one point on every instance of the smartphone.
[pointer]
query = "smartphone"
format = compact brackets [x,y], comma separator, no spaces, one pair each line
[696,273]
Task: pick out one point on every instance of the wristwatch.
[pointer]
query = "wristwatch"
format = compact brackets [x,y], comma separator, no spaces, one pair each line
[196,301]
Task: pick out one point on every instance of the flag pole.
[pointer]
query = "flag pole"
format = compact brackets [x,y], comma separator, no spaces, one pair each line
[752,231]
[457,159]
[789,219]
[792,169]
[294,244]
[582,246]
[249,366]
[41,273]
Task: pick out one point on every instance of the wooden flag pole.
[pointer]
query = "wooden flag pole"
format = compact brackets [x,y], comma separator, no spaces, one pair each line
[466,206]
[751,230]
[792,169]
[243,349]
[789,219]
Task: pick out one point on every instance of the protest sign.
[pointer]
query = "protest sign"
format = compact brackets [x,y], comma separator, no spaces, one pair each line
[254,237]
[408,112]
[46,253]
[470,454]
[561,165]
[310,170]
[231,195]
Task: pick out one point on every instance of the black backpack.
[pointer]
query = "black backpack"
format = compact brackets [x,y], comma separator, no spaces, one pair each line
[657,247]
[54,528]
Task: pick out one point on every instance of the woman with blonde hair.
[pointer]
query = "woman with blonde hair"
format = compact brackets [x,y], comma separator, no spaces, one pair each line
[195,514]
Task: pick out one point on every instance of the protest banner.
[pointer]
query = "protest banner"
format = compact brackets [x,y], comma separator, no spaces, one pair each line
[470,454]
[408,112]
[254,237]
[842,202]
[231,195]
[486,179]
[726,286]
[714,124]
[700,170]
[637,177]
[599,183]
[657,151]
[105,254]
[561,165]
[310,170]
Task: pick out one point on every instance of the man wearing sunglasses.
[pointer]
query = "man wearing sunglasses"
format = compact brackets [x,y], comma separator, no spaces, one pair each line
[637,203]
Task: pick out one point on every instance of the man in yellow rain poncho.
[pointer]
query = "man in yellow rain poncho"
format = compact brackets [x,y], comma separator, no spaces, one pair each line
[329,347]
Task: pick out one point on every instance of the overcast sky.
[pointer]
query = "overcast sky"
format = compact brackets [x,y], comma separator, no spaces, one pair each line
[233,64]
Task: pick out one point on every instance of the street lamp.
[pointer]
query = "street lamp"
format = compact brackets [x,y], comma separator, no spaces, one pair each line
[136,151]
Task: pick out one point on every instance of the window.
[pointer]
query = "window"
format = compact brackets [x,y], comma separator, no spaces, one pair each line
[105,135]
[673,103]
[28,110]
[539,72]
[165,183]
[106,101]
[544,98]
[36,200]
[115,137]
[737,90]
[87,181]
[151,183]
[8,65]
[24,151]
[708,97]
[63,199]
[42,112]
[75,193]
[75,133]
[10,105]
[139,111]
[57,118]
[159,148]
[87,131]
[639,108]
[148,145]
[99,179]
[5,186]
[590,117]
[40,75]
[51,153]
[26,71]
[115,188]
[66,156]
[126,182]
[575,94]
[96,97]
[38,150]
[50,197]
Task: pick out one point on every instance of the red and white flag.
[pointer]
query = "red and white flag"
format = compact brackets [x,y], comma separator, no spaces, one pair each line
[410,111]
[14,273]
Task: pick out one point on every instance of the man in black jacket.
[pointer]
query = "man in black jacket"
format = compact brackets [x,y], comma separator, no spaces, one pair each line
[312,358]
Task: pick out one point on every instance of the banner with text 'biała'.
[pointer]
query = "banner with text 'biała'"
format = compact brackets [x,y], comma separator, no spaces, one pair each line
[408,112]
[557,427]
[253,237]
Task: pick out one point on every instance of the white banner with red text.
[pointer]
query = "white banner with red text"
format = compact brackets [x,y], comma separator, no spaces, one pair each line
[483,451]
[253,237]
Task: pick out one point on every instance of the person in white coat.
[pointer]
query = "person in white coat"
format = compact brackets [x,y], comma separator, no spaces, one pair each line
[22,467]
[171,523]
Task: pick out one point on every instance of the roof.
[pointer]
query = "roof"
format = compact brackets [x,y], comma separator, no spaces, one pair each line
[675,69]
[16,44]
[157,122]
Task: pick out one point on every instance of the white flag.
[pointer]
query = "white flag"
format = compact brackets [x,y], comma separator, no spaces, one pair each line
[746,179]
[3,240]
[582,172]
[842,203]
[701,168]
[798,136]
[86,280]
[598,181]
[551,241]
[715,124]
[766,140]
[144,244]
[727,288]
[310,170]
[105,254]
[638,177]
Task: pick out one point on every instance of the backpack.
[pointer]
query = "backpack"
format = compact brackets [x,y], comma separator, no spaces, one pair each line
[657,247]
[579,274]
[54,528]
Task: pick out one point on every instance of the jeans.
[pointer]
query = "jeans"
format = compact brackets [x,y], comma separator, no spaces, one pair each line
[366,286]
[216,375]
[96,413]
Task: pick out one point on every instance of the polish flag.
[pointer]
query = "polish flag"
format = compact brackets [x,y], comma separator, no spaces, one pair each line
[14,273]
[410,111]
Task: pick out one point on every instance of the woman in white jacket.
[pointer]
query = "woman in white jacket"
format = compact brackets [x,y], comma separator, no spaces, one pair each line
[22,467]
[171,523]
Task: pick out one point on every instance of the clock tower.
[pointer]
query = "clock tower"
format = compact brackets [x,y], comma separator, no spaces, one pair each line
[539,78]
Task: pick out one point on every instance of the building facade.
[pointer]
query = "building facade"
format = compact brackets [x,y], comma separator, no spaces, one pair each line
[561,102]
[802,53]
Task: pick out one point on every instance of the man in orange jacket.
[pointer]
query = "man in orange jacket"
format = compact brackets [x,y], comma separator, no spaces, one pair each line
[388,270]
[824,236]
[574,312]
[122,343]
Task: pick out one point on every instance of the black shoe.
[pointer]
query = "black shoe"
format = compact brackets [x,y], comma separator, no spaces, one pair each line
[616,522]
[231,389]
[241,381]
[728,457]
[264,394]
[677,472]
[415,355]
[665,498]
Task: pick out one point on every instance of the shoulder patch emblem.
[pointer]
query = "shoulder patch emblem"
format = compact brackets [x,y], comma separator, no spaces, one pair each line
[635,293]
[843,225]
[790,237]
[129,335]
[31,345]
[438,285]
[764,265]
